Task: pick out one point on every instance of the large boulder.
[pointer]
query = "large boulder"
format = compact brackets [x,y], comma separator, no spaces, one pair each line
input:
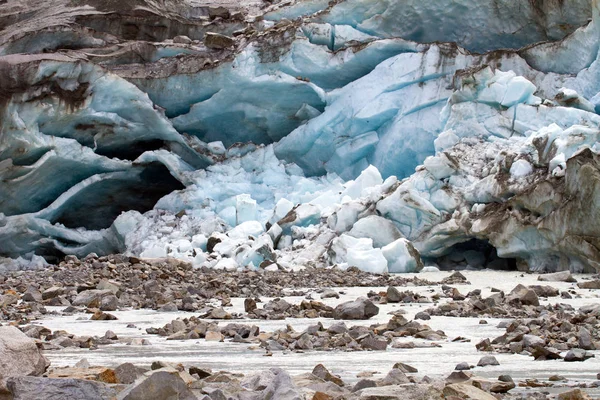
[562,276]
[466,391]
[158,385]
[19,355]
[401,392]
[361,308]
[27,388]
[273,384]
[102,299]
[524,295]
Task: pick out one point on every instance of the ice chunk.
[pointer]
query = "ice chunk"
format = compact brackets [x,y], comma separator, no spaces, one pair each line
[521,168]
[245,208]
[359,253]
[246,229]
[368,178]
[382,231]
[402,257]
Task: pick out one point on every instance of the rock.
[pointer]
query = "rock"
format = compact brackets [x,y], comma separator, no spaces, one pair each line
[463,366]
[32,296]
[402,392]
[533,341]
[324,374]
[201,372]
[459,376]
[222,12]
[422,315]
[595,284]
[330,294]
[466,391]
[393,295]
[577,355]
[105,284]
[487,361]
[524,295]
[407,369]
[363,384]
[249,305]
[337,328]
[217,41]
[374,343]
[219,313]
[83,364]
[575,394]
[127,373]
[181,39]
[214,336]
[280,386]
[110,335]
[356,310]
[394,377]
[19,355]
[484,345]
[52,292]
[557,378]
[102,316]
[92,298]
[169,307]
[158,385]
[541,353]
[585,339]
[27,388]
[545,290]
[563,276]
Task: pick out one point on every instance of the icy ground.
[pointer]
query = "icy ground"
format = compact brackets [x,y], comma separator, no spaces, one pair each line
[436,362]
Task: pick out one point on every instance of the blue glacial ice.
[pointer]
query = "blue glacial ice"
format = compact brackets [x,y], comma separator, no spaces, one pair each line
[332,136]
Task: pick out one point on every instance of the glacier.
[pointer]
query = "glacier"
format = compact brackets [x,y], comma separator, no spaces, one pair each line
[321,134]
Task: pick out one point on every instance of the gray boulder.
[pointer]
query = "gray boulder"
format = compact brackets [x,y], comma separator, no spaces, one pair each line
[217,41]
[158,385]
[104,299]
[359,309]
[563,276]
[19,355]
[524,295]
[402,392]
[28,388]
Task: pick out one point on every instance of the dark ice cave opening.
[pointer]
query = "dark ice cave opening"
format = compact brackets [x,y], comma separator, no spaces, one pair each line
[132,151]
[97,206]
[475,254]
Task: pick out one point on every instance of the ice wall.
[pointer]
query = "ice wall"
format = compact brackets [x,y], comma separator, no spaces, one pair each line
[318,134]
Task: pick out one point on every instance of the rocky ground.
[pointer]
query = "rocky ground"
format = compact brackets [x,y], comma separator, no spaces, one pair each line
[259,310]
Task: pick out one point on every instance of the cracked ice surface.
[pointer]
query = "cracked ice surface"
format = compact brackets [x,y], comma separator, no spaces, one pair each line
[340,138]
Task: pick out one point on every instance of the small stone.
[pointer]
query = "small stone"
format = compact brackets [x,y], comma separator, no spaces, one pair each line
[463,366]
[324,374]
[363,384]
[201,372]
[407,369]
[422,315]
[577,355]
[83,364]
[181,39]
[557,378]
[217,41]
[214,336]
[127,373]
[487,361]
[110,335]
[249,305]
